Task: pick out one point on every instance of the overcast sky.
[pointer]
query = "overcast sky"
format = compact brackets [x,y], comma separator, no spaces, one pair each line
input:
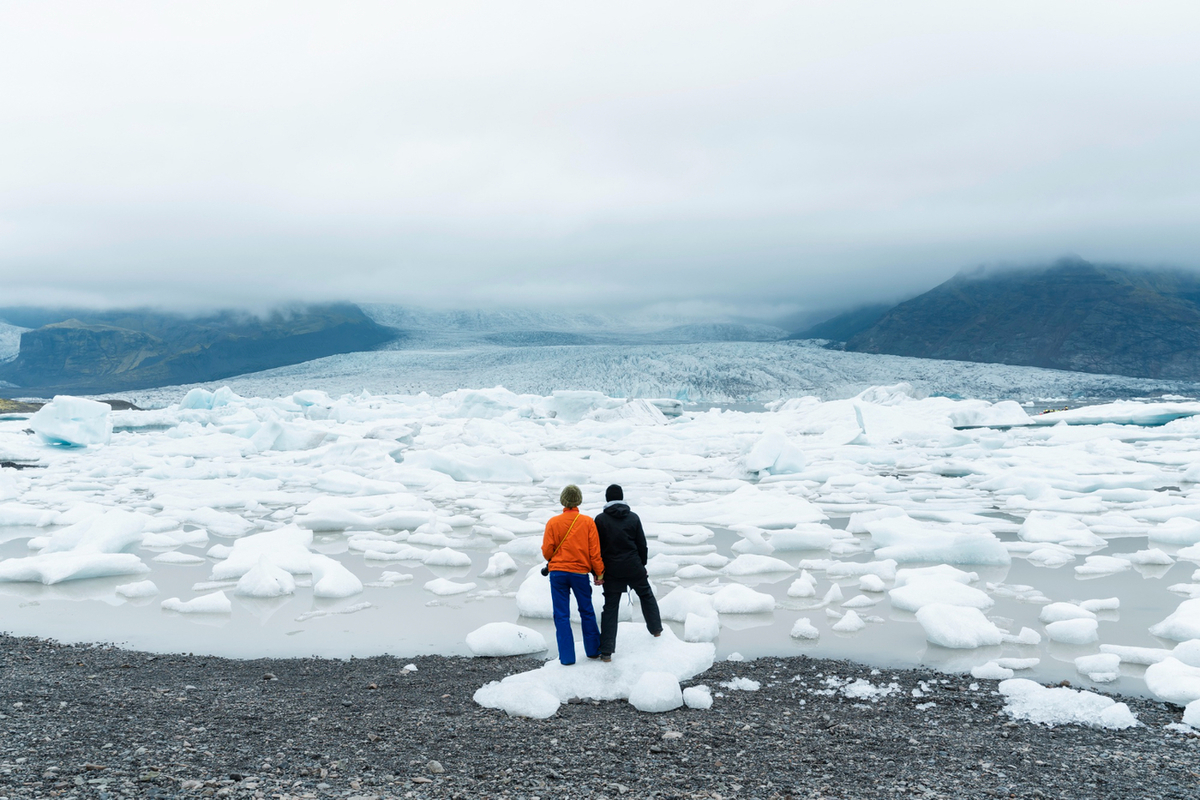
[757,158]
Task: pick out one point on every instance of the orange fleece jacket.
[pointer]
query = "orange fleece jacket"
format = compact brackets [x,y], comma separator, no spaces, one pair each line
[580,553]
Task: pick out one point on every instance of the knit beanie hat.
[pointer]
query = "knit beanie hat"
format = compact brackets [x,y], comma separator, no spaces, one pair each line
[571,497]
[613,492]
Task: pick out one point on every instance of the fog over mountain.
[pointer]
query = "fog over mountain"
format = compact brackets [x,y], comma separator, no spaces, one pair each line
[710,160]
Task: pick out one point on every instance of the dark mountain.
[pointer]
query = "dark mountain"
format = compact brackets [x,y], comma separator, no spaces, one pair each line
[1072,315]
[100,352]
[845,325]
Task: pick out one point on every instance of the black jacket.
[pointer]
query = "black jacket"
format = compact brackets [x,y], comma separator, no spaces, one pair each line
[622,542]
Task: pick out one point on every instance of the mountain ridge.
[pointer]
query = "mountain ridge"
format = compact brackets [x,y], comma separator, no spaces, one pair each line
[1073,315]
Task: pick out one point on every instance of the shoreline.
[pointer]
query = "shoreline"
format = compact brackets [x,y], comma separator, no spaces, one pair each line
[97,721]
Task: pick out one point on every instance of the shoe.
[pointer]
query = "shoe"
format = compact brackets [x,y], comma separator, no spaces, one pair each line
[567,663]
[657,634]
[606,658]
[594,657]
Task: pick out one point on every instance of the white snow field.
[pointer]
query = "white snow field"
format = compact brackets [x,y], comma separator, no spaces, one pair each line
[891,528]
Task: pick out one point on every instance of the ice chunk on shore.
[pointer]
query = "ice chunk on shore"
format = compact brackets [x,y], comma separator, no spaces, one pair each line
[73,422]
[958,627]
[1033,702]
[1073,631]
[497,639]
[1174,681]
[638,654]
[699,697]
[266,580]
[1191,714]
[656,692]
[215,603]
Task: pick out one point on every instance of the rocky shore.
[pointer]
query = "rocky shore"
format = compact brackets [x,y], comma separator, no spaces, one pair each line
[98,722]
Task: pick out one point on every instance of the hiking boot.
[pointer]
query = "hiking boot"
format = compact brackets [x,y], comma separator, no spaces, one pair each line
[606,657]
[656,635]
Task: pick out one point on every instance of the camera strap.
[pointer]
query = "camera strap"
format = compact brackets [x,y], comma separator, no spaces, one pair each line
[563,540]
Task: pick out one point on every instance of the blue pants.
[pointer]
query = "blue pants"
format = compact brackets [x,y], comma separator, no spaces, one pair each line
[561,586]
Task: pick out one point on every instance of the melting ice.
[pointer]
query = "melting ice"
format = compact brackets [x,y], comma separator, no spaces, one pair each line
[893,529]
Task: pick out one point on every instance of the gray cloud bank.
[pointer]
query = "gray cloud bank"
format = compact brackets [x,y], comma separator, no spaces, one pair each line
[760,158]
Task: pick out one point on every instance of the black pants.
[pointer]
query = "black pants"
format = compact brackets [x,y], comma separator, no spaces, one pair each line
[614,590]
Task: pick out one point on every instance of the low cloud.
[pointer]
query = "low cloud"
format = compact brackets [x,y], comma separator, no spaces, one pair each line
[774,158]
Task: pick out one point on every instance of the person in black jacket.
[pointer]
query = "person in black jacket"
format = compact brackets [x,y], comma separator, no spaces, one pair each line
[623,550]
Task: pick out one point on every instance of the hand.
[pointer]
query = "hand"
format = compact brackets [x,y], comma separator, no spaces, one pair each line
[598,581]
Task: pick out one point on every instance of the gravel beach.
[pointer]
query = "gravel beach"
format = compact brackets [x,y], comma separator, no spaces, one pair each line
[99,722]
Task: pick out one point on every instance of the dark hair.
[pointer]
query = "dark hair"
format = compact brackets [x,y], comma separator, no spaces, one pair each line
[613,493]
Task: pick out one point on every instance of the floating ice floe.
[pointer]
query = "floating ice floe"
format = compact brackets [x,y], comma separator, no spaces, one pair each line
[1073,631]
[957,627]
[215,603]
[916,594]
[1182,624]
[444,588]
[265,579]
[73,422]
[697,628]
[1101,668]
[138,590]
[991,671]
[738,599]
[497,639]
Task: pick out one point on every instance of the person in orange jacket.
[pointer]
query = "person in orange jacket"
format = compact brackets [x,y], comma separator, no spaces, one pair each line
[572,549]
